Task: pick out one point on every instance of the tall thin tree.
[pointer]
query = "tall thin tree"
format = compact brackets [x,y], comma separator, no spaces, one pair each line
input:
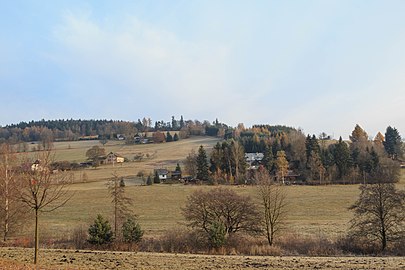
[44,191]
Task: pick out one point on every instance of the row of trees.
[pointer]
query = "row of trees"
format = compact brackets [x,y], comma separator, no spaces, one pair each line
[71,130]
[217,214]
[288,152]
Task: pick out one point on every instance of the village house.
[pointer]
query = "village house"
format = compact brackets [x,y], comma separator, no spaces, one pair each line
[162,174]
[113,158]
[253,160]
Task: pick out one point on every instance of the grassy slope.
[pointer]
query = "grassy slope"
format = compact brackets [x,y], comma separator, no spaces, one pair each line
[312,209]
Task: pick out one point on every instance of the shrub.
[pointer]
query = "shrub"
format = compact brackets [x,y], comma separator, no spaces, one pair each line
[149,181]
[217,235]
[79,237]
[100,231]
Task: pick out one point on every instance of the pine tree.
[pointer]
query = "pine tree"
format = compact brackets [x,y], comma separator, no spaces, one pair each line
[100,231]
[169,137]
[178,168]
[268,159]
[202,166]
[393,143]
[131,231]
[341,156]
[175,137]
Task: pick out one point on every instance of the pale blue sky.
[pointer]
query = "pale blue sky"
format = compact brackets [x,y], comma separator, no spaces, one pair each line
[318,65]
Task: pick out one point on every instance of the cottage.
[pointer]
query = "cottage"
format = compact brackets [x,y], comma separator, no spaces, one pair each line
[162,174]
[113,158]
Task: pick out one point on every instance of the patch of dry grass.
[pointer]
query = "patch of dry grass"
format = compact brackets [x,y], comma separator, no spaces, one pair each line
[69,259]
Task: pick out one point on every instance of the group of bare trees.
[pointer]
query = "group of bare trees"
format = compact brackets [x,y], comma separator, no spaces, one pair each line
[220,213]
[28,186]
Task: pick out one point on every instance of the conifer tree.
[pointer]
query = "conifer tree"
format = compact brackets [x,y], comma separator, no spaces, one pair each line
[169,137]
[393,143]
[202,166]
[341,156]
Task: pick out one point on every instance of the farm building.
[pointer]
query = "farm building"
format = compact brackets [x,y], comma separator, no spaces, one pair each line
[113,158]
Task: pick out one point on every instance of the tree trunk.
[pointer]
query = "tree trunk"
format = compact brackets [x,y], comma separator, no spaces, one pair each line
[36,238]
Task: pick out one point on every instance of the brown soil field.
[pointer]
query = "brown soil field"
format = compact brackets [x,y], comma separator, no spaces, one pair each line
[18,258]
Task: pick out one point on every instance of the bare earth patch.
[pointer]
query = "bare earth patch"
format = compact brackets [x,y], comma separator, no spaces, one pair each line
[19,258]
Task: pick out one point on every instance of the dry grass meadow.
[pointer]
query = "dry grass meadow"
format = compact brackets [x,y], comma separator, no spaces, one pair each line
[313,210]
[70,259]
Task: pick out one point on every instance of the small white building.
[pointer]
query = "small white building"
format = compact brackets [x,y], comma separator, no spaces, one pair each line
[254,159]
[162,173]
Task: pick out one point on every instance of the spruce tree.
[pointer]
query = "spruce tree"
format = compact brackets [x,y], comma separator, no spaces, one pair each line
[393,143]
[169,137]
[341,156]
[202,166]
[100,231]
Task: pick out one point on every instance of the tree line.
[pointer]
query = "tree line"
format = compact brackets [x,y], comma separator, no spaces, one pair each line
[71,130]
[290,155]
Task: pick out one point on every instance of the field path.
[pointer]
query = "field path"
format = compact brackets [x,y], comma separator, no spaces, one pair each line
[19,258]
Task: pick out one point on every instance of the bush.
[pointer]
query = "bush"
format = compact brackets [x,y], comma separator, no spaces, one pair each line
[149,181]
[131,231]
[100,231]
[79,237]
[217,235]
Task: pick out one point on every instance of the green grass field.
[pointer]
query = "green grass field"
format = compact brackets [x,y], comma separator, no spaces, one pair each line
[313,210]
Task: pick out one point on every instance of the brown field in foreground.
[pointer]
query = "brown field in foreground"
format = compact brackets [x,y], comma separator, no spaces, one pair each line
[17,258]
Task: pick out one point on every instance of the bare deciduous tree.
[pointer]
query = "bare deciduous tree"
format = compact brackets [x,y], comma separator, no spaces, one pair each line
[379,214]
[273,197]
[44,191]
[190,164]
[205,209]
[11,210]
[121,202]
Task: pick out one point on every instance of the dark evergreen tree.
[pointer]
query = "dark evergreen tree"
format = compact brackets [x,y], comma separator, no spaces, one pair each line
[131,231]
[311,145]
[149,182]
[268,159]
[169,137]
[100,231]
[178,168]
[181,122]
[393,143]
[156,179]
[175,137]
[341,156]
[202,166]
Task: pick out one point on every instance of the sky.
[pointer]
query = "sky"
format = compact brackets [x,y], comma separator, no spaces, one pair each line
[321,66]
